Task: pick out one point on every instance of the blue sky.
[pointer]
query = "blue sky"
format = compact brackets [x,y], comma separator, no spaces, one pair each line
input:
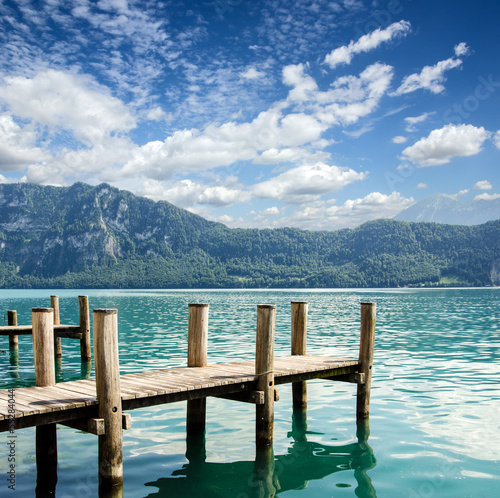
[315,114]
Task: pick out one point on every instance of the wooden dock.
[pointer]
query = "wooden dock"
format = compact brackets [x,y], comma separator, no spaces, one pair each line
[100,406]
[67,401]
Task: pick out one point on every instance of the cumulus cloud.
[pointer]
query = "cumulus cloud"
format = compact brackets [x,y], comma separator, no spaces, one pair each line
[189,194]
[191,150]
[442,145]
[432,77]
[351,97]
[303,85]
[18,148]
[252,74]
[272,211]
[67,102]
[306,183]
[374,205]
[344,54]
[486,197]
[399,140]
[483,185]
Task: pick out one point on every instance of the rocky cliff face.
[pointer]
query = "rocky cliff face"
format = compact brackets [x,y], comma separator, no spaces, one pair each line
[54,230]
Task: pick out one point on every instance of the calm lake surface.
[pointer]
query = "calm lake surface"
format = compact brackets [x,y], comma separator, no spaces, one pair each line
[435,408]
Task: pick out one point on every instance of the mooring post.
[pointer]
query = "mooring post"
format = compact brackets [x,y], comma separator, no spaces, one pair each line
[54,304]
[83,307]
[107,377]
[299,340]
[12,321]
[264,365]
[366,346]
[46,437]
[197,357]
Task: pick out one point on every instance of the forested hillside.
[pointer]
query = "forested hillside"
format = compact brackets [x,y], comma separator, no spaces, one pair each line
[83,237]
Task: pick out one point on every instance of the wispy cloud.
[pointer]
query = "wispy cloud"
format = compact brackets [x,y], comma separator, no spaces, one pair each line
[432,77]
[344,54]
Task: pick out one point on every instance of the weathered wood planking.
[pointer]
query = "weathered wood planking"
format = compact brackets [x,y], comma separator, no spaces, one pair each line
[38,405]
[67,331]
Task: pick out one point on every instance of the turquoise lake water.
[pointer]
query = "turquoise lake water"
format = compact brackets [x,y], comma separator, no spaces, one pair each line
[434,428]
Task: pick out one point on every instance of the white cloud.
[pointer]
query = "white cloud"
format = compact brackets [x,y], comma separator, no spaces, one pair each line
[225,218]
[374,205]
[483,185]
[222,196]
[275,156]
[496,139]
[189,194]
[461,49]
[272,211]
[399,140]
[442,145]
[18,148]
[353,97]
[303,85]
[344,54]
[157,114]
[461,193]
[486,197]
[413,120]
[422,186]
[306,183]
[432,77]
[195,150]
[67,102]
[319,215]
[252,74]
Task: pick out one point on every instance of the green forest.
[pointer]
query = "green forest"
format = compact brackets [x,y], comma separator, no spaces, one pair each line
[99,237]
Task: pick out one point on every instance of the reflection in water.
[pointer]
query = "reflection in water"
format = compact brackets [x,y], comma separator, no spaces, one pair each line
[269,475]
[14,362]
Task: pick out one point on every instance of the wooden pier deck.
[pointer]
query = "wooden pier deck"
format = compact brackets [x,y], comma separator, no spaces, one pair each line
[100,406]
[66,401]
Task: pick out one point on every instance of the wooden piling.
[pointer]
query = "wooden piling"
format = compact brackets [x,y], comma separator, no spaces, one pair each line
[107,373]
[46,437]
[84,313]
[197,357]
[43,346]
[54,304]
[299,341]
[366,346]
[264,365]
[12,320]
[197,335]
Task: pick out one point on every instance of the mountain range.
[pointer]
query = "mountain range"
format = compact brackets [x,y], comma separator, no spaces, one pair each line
[442,208]
[100,237]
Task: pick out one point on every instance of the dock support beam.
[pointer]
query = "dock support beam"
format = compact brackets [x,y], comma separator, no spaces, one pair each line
[83,306]
[107,373]
[366,346]
[197,357]
[264,365]
[299,341]
[46,437]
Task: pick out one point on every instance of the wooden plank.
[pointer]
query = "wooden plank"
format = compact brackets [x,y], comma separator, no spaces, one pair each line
[96,426]
[253,397]
[68,331]
[21,406]
[15,330]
